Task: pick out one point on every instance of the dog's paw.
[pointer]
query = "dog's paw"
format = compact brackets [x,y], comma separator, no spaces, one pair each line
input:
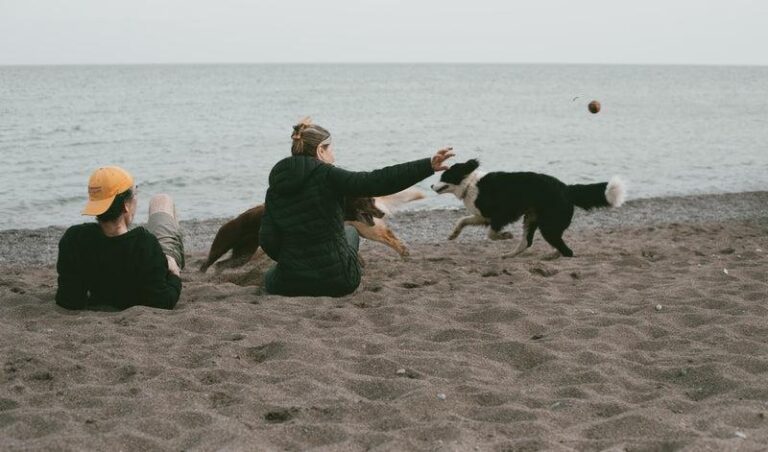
[506,235]
[511,255]
[551,257]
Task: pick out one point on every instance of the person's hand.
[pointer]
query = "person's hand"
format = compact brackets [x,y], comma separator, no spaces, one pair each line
[173,267]
[440,157]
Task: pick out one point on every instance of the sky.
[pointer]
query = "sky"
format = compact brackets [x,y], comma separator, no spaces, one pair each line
[372,31]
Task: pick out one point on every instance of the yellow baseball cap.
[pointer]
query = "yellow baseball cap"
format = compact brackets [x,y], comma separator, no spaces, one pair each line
[106,183]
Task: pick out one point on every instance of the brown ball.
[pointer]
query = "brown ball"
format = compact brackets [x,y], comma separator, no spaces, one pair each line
[594,107]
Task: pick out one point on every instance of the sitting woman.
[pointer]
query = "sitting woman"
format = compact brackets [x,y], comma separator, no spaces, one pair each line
[303,226]
[104,264]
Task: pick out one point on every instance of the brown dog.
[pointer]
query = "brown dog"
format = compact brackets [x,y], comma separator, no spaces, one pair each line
[241,235]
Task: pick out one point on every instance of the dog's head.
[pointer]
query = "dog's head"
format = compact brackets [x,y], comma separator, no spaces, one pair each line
[451,180]
[362,210]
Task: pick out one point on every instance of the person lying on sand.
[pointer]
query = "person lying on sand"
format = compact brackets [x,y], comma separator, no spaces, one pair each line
[104,264]
[303,226]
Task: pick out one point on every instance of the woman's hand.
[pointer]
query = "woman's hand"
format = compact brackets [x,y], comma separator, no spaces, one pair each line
[173,267]
[441,156]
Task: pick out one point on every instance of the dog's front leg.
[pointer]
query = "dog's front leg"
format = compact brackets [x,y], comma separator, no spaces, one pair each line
[466,221]
[380,232]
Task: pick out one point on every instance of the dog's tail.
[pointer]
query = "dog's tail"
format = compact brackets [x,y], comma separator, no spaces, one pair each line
[224,241]
[389,204]
[604,194]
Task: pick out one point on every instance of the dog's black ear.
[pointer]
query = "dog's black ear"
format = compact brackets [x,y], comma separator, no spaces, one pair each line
[473,164]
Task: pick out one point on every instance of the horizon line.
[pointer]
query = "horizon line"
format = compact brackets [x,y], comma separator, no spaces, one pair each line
[381,63]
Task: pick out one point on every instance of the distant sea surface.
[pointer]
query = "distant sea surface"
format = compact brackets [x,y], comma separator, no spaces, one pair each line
[209,134]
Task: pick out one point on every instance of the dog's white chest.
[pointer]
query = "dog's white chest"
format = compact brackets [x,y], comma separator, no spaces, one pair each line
[469,199]
[469,196]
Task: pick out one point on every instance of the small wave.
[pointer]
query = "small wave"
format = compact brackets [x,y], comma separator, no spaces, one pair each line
[36,133]
[48,203]
[171,181]
[179,181]
[89,143]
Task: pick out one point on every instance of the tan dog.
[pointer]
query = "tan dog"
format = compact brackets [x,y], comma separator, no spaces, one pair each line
[379,231]
[241,235]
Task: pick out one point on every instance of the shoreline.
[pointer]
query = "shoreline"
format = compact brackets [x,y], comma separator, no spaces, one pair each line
[38,247]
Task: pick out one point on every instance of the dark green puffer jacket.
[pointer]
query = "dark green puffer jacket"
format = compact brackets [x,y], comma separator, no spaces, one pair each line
[303,225]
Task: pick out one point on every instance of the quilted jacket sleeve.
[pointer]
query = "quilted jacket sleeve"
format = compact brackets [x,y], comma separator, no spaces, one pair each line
[381,182]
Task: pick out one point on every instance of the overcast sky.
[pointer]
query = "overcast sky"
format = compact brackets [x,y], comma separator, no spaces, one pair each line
[254,31]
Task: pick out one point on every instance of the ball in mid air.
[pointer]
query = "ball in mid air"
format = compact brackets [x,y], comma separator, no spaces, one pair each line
[594,107]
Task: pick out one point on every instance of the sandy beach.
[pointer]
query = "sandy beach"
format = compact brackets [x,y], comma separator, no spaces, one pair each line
[653,337]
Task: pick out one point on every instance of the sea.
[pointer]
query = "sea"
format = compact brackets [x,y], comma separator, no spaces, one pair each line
[209,134]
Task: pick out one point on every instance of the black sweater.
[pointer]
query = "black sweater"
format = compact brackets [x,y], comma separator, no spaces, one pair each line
[122,271]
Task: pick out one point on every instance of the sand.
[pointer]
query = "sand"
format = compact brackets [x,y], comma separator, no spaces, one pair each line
[654,337]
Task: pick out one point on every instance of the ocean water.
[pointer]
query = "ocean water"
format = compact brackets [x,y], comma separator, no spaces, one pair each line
[209,134]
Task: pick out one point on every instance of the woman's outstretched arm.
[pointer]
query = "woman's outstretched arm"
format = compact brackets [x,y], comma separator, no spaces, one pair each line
[388,180]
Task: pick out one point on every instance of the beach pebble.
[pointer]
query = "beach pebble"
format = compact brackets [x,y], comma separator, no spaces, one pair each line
[401,371]
[441,396]
[741,435]
[725,270]
[658,307]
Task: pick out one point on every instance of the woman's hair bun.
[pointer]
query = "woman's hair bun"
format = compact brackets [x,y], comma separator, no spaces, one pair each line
[306,137]
[298,128]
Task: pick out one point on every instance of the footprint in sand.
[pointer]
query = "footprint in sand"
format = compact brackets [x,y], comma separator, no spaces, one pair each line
[543,270]
[8,404]
[501,415]
[651,255]
[261,353]
[515,354]
[124,374]
[492,315]
[223,399]
[416,285]
[280,416]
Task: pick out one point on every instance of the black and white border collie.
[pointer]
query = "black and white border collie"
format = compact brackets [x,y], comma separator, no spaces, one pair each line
[497,199]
